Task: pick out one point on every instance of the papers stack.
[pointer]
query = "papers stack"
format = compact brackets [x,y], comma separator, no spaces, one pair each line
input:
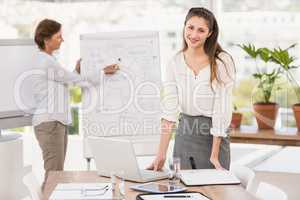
[79,191]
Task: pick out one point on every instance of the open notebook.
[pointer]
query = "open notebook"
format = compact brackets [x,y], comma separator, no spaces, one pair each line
[208,177]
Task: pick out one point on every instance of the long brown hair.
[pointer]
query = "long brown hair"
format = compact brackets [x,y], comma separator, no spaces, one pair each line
[211,46]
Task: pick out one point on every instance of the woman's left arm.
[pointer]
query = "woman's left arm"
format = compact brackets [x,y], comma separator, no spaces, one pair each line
[222,112]
[222,108]
[214,157]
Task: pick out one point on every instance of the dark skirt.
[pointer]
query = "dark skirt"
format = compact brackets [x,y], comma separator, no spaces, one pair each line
[193,143]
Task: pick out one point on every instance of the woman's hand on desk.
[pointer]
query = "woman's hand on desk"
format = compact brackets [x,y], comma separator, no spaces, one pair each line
[111,69]
[214,156]
[215,161]
[158,163]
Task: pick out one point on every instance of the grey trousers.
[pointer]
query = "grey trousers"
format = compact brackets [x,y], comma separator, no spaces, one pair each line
[193,143]
[53,138]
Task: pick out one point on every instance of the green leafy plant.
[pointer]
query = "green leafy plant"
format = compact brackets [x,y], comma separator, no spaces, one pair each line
[266,80]
[267,83]
[285,60]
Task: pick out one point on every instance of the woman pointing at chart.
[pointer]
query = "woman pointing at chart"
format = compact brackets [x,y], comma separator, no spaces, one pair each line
[198,85]
[52,95]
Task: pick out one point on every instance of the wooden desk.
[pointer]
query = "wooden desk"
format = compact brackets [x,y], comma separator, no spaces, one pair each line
[251,135]
[219,192]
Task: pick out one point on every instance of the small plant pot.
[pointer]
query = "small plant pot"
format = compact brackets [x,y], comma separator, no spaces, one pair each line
[296,109]
[236,120]
[266,114]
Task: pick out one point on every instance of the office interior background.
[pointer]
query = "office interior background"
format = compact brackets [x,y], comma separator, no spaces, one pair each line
[264,23]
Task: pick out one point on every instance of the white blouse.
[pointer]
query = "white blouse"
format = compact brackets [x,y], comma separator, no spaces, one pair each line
[51,91]
[193,95]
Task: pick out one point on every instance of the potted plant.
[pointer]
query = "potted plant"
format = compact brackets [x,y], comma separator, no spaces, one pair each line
[285,60]
[265,110]
[296,107]
[236,118]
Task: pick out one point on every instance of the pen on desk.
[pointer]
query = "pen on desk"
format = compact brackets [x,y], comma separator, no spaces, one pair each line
[177,196]
[97,189]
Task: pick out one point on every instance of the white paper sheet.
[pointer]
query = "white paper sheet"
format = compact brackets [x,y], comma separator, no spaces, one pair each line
[128,102]
[208,177]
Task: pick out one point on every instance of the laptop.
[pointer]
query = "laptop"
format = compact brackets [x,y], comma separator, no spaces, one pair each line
[118,156]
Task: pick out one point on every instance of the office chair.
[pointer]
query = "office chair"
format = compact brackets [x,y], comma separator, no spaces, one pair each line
[244,174]
[33,186]
[267,191]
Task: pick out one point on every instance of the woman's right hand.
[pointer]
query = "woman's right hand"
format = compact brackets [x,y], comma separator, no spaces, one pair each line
[111,69]
[78,66]
[158,163]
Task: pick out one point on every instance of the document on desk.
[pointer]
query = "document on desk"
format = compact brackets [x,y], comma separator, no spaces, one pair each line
[177,196]
[79,191]
[208,177]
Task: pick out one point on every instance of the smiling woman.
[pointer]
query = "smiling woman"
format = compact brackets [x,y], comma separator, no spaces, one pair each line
[194,38]
[203,98]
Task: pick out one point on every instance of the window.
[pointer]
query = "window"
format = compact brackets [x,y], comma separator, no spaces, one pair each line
[263,23]
[19,19]
[269,23]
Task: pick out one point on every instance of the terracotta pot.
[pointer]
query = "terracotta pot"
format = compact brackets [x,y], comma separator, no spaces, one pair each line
[266,114]
[296,109]
[236,120]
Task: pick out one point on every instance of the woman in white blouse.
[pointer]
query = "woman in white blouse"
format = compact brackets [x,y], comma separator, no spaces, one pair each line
[198,84]
[51,93]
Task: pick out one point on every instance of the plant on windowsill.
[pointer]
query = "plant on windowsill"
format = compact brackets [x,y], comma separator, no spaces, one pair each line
[296,107]
[265,110]
[285,60]
[236,118]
